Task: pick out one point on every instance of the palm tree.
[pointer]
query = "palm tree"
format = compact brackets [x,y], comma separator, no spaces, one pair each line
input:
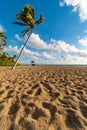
[27,19]
[14,56]
[3,40]
[4,56]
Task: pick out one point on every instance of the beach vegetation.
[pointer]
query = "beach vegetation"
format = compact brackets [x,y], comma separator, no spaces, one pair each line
[6,60]
[3,40]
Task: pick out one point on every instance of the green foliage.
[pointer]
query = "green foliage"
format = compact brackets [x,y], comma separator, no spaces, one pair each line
[3,40]
[6,60]
[5,63]
[27,19]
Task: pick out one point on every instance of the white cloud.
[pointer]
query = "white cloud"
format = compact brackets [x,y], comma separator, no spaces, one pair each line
[11,49]
[46,56]
[83,41]
[82,53]
[62,47]
[72,2]
[73,59]
[31,53]
[54,52]
[54,46]
[78,6]
[18,37]
[36,42]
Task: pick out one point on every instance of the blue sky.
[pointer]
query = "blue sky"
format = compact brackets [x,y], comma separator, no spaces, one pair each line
[61,39]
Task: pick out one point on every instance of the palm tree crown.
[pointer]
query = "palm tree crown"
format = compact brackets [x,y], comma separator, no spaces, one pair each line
[27,19]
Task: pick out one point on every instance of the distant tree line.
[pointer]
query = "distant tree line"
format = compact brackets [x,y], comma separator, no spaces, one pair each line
[5,59]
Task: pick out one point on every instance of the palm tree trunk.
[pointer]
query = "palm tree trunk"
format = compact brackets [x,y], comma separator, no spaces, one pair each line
[21,51]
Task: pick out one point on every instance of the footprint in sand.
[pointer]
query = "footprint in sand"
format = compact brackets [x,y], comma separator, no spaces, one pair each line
[31,104]
[7,87]
[38,92]
[12,126]
[14,108]
[30,92]
[47,87]
[27,110]
[54,95]
[24,96]
[1,107]
[52,110]
[38,112]
[26,125]
[9,94]
[72,121]
[23,102]
[1,92]
[83,109]
[35,86]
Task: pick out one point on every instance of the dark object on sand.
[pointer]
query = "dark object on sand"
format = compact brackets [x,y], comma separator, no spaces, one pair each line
[32,63]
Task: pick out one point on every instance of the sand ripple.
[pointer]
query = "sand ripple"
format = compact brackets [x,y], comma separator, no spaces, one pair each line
[43,98]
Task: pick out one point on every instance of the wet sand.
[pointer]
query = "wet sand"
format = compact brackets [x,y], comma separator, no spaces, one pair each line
[43,98]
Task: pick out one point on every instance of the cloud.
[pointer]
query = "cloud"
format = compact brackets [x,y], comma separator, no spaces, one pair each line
[10,49]
[31,53]
[18,38]
[61,47]
[82,53]
[36,42]
[73,59]
[54,46]
[46,56]
[78,6]
[83,41]
[53,52]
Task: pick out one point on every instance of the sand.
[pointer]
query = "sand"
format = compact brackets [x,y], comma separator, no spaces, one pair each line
[43,98]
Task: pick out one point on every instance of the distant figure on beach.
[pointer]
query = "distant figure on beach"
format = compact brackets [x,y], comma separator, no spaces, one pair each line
[32,63]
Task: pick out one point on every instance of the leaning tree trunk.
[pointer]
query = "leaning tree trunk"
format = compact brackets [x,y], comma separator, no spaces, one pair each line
[21,51]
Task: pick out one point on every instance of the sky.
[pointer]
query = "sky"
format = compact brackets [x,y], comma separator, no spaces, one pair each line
[60,39]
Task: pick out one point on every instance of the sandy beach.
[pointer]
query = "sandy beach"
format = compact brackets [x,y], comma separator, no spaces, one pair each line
[43,98]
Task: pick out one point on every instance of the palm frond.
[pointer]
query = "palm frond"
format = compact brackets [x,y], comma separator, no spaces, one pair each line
[20,23]
[4,37]
[25,31]
[22,18]
[1,33]
[41,19]
[25,19]
[3,40]
[30,19]
[2,43]
[28,9]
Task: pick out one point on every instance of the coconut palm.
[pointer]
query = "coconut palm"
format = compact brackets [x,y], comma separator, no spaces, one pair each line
[14,56]
[4,56]
[26,18]
[3,40]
